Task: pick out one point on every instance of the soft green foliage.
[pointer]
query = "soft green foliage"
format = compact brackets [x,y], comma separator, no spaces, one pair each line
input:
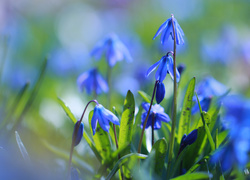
[160,149]
[193,176]
[144,96]
[184,121]
[126,127]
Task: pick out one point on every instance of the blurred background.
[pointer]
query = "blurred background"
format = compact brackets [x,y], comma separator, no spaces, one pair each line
[217,43]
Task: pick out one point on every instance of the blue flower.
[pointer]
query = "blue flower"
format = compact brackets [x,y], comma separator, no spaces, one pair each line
[167,29]
[160,92]
[103,116]
[210,87]
[78,132]
[166,65]
[236,120]
[92,81]
[156,112]
[205,104]
[188,139]
[206,90]
[114,49]
[181,68]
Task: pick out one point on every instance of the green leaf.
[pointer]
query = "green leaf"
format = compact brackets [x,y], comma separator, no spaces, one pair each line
[193,176]
[22,148]
[32,95]
[67,111]
[222,136]
[74,120]
[144,96]
[101,140]
[186,110]
[209,136]
[160,148]
[207,119]
[123,160]
[126,127]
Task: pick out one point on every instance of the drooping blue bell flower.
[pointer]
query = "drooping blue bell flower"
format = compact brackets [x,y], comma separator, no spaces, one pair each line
[92,81]
[156,112]
[188,139]
[166,65]
[160,92]
[78,132]
[166,29]
[103,116]
[113,48]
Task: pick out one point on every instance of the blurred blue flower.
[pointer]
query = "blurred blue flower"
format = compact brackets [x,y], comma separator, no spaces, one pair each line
[167,29]
[92,81]
[103,116]
[188,139]
[156,112]
[160,92]
[210,87]
[78,132]
[205,103]
[236,118]
[114,49]
[166,65]
[181,68]
[206,90]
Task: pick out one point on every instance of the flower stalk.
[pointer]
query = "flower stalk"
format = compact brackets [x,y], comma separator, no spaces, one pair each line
[172,136]
[145,122]
[75,136]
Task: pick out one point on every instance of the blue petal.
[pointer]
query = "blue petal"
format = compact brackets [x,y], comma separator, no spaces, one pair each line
[109,116]
[162,70]
[94,119]
[103,85]
[183,138]
[157,108]
[145,106]
[162,117]
[125,52]
[160,92]
[166,33]
[99,48]
[191,137]
[82,80]
[157,124]
[161,28]
[170,68]
[143,117]
[104,123]
[152,68]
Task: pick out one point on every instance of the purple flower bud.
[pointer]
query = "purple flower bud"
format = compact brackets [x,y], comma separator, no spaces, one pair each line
[78,133]
[160,92]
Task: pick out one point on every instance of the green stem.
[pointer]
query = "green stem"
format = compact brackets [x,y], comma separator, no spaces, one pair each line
[109,72]
[172,136]
[145,122]
[153,122]
[75,135]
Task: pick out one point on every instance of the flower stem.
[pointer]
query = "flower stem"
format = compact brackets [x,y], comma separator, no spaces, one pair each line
[172,136]
[153,122]
[145,122]
[74,137]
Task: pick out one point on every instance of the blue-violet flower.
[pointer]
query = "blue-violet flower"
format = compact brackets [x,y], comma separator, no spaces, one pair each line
[92,81]
[103,116]
[166,65]
[114,49]
[156,112]
[167,29]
